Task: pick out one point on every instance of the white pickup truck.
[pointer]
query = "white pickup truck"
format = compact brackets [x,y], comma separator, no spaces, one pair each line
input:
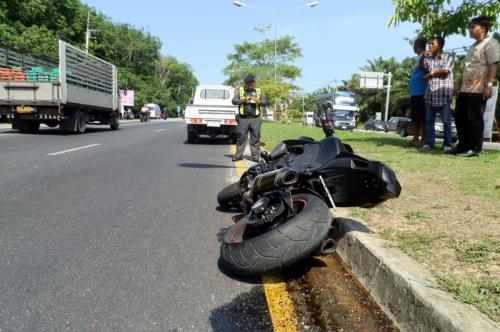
[212,113]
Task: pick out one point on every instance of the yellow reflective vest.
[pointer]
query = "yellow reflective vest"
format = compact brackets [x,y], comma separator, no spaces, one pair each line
[257,106]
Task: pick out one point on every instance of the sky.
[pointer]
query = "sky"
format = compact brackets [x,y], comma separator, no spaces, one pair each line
[336,37]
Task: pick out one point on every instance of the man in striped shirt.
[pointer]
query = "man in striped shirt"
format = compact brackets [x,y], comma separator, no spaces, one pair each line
[438,95]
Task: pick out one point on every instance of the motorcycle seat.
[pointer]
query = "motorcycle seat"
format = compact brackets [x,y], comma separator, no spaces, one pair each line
[306,154]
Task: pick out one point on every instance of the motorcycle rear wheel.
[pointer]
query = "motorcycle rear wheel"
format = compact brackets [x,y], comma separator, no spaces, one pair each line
[281,246]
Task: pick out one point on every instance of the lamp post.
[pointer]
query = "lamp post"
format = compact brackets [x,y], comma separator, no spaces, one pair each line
[312,4]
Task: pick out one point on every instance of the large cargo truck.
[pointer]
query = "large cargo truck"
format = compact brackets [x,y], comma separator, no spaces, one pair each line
[77,89]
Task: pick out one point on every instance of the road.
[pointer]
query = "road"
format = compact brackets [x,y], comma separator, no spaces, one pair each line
[117,231]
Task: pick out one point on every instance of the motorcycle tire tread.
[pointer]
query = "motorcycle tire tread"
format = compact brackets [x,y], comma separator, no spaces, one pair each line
[283,246]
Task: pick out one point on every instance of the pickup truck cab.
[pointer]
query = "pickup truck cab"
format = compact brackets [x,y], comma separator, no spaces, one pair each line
[211,113]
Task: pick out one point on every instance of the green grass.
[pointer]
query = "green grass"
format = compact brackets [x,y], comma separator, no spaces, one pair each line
[440,174]
[358,213]
[474,176]
[483,294]
[415,215]
[479,251]
[414,244]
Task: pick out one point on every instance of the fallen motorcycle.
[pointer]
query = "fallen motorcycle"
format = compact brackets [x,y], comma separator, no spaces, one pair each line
[286,201]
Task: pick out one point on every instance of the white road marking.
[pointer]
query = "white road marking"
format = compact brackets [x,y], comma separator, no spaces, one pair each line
[75,149]
[160,130]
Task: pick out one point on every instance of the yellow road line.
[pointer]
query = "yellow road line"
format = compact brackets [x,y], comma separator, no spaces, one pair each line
[278,301]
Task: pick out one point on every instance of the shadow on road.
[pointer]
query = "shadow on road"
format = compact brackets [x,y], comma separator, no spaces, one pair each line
[56,132]
[209,141]
[200,165]
[247,312]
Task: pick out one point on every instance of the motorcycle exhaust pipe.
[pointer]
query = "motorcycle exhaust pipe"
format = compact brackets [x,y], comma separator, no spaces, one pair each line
[280,178]
[328,246]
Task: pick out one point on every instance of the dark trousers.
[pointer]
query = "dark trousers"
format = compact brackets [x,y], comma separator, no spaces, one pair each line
[246,125]
[469,112]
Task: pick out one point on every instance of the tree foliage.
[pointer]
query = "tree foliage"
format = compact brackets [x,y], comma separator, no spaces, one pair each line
[36,25]
[258,58]
[439,17]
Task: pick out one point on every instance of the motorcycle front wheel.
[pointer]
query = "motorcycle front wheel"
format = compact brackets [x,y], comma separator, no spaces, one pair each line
[230,197]
[250,254]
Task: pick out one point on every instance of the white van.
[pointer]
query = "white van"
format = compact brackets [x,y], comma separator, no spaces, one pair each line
[154,111]
[308,119]
[212,113]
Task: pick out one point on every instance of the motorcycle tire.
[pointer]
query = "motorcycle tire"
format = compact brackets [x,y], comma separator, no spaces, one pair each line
[282,246]
[229,198]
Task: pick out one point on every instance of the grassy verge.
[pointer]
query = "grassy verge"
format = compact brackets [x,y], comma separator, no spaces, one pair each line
[447,217]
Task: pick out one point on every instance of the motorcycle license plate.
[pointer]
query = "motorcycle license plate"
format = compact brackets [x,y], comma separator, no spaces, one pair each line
[24,109]
[213,124]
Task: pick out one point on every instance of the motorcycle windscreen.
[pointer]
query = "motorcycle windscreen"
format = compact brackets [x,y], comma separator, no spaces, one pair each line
[354,181]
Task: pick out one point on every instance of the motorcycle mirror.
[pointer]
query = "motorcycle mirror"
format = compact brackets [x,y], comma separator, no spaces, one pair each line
[265,155]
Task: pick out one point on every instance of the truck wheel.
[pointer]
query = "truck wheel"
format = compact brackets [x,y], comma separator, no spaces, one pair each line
[191,137]
[81,124]
[115,123]
[33,126]
[403,132]
[245,253]
[26,126]
[233,138]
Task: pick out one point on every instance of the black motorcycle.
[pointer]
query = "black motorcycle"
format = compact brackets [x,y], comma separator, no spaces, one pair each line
[286,201]
[144,116]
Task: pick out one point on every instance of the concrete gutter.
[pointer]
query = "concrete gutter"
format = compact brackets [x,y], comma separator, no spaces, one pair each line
[407,293]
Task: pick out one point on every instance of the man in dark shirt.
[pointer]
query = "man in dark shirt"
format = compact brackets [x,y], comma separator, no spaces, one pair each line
[250,101]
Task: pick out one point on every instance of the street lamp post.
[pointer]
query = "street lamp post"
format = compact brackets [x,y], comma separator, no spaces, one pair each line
[275,13]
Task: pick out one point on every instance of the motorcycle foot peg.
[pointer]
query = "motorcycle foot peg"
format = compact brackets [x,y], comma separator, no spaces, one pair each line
[328,246]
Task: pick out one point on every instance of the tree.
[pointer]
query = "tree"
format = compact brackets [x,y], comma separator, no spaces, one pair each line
[258,58]
[439,17]
[36,25]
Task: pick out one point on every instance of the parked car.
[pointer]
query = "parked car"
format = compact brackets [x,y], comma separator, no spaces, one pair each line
[395,122]
[308,119]
[405,129]
[374,124]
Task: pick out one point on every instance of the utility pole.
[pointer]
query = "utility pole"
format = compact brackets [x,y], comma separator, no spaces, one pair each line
[88,33]
[388,96]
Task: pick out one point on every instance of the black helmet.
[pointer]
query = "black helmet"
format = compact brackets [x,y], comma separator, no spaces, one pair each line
[250,78]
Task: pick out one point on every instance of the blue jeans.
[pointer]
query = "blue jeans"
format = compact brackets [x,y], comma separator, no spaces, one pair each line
[430,117]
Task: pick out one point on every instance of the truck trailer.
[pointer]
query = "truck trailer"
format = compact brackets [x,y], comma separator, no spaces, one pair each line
[77,89]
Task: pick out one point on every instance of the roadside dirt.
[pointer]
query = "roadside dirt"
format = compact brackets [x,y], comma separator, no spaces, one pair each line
[327,297]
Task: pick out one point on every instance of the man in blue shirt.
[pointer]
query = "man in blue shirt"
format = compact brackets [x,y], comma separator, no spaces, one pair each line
[417,91]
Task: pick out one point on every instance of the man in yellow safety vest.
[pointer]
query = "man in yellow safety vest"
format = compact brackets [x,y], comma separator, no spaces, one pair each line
[250,101]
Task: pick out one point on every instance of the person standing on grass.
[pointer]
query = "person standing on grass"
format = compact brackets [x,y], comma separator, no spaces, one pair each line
[417,91]
[439,67]
[475,87]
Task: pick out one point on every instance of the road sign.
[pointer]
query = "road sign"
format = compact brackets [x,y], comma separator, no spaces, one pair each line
[371,80]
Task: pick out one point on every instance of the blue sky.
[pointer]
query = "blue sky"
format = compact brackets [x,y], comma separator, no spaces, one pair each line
[336,37]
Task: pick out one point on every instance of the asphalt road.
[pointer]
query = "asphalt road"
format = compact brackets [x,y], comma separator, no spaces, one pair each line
[117,231]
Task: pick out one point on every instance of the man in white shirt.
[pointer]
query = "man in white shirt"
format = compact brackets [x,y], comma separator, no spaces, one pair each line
[475,87]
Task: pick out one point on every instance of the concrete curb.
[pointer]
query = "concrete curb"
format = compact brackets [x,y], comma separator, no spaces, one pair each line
[406,292]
